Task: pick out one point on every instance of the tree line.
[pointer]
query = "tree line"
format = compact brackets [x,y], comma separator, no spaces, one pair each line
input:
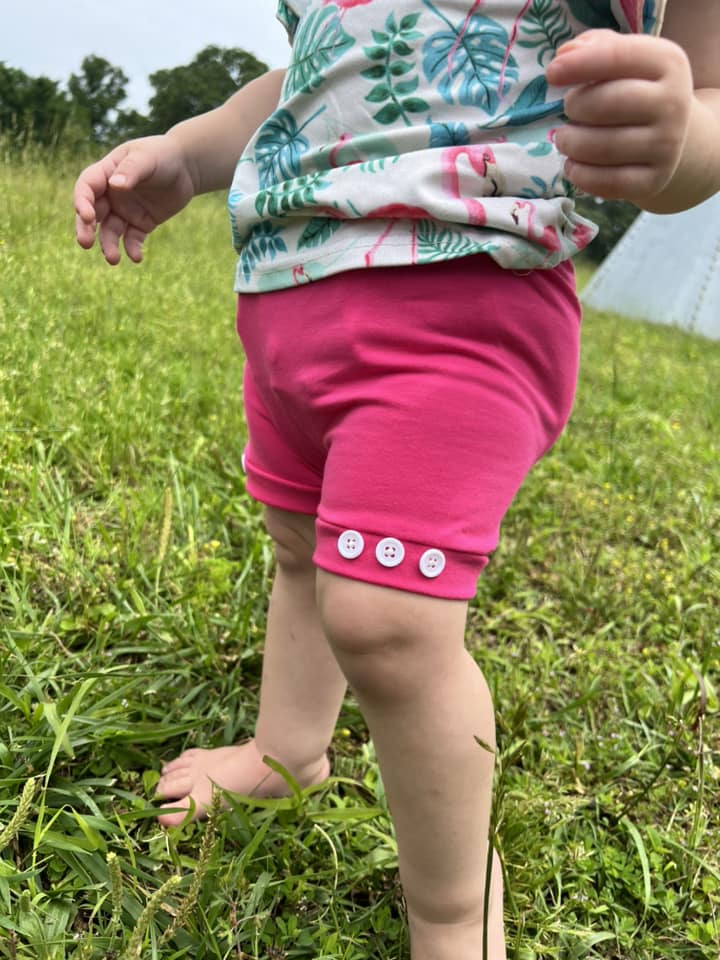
[89,106]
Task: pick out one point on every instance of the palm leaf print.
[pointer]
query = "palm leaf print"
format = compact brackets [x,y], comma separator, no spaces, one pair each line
[393,92]
[279,148]
[373,166]
[319,42]
[262,241]
[279,199]
[448,134]
[545,27]
[531,105]
[440,243]
[471,62]
[288,18]
[593,13]
[318,231]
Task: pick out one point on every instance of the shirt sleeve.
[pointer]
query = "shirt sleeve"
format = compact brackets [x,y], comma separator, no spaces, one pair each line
[288,18]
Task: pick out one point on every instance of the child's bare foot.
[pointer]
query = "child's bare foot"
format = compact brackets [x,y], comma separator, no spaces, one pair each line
[239,769]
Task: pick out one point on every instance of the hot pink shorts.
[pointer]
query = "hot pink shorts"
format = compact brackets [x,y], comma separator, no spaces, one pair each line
[403,407]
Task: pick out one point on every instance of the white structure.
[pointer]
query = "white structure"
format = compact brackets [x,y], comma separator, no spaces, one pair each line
[665,269]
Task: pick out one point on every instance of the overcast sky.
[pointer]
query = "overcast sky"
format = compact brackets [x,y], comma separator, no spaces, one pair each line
[51,37]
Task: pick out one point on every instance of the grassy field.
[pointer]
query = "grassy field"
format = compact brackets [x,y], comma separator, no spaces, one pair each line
[133,581]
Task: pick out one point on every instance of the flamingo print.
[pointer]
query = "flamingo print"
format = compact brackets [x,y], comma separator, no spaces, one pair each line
[344,5]
[334,159]
[482,160]
[633,10]
[582,235]
[299,276]
[395,212]
[523,214]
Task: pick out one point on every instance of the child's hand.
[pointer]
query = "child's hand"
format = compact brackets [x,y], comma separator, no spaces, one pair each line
[629,108]
[137,186]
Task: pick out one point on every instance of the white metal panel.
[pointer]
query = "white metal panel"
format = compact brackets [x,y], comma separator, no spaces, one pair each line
[666,269]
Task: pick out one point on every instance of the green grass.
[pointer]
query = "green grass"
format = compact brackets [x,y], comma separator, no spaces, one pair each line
[133,581]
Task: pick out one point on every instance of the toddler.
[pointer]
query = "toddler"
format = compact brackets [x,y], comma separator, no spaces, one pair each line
[393,413]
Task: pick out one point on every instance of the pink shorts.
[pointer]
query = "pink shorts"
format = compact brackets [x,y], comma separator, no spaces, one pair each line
[403,407]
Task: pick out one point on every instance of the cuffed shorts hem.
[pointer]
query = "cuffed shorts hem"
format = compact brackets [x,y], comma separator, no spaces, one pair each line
[387,561]
[280,493]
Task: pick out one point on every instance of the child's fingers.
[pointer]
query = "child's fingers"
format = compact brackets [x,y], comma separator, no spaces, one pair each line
[85,212]
[111,229]
[613,183]
[133,241]
[612,146]
[134,167]
[600,55]
[616,103]
[89,201]
[85,231]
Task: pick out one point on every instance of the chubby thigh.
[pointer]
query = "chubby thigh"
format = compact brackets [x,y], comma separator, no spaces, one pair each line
[404,407]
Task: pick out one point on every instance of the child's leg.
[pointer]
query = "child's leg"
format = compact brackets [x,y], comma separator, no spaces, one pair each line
[425,701]
[300,697]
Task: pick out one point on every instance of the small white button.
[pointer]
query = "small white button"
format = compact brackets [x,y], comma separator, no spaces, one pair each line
[350,544]
[390,552]
[432,563]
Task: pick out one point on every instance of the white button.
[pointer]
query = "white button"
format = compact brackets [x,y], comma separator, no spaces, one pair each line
[390,552]
[350,544]
[432,563]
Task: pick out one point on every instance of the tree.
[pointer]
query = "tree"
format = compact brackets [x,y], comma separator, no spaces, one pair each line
[128,125]
[613,217]
[96,93]
[213,76]
[32,109]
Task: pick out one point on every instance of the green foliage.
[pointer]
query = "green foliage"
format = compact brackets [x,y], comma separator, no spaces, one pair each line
[613,217]
[96,93]
[36,110]
[201,85]
[32,109]
[133,581]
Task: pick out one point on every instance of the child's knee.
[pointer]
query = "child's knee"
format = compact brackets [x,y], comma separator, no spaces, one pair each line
[385,640]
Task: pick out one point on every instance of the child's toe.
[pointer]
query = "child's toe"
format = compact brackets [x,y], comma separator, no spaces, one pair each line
[186,759]
[175,784]
[176,818]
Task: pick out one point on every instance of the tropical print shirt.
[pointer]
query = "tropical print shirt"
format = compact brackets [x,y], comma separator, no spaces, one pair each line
[410,131]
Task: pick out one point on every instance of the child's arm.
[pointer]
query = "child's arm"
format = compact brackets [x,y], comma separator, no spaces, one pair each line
[213,142]
[142,183]
[645,111]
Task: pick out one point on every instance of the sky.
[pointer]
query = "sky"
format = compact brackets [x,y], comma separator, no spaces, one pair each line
[51,37]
